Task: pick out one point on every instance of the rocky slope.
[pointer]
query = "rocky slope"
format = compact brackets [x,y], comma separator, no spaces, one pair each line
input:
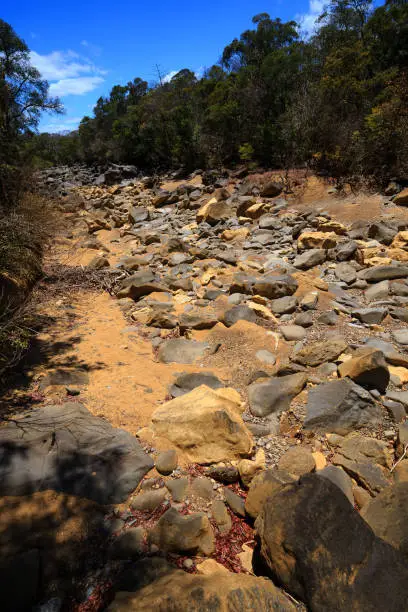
[261,364]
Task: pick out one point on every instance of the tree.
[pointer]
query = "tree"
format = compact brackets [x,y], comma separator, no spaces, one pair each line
[23,97]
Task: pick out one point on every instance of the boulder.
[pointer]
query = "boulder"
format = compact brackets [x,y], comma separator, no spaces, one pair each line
[67,449]
[284,305]
[264,485]
[370,316]
[320,352]
[181,350]
[368,368]
[322,552]
[340,406]
[165,588]
[275,394]
[180,534]
[205,425]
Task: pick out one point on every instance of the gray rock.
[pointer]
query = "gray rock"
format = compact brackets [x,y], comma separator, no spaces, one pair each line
[284,305]
[166,462]
[340,479]
[345,272]
[66,449]
[128,545]
[340,406]
[274,287]
[266,357]
[276,394]
[310,258]
[181,350]
[304,319]
[328,318]
[178,488]
[378,291]
[235,502]
[292,332]
[380,273]
[180,534]
[188,381]
[370,316]
[400,336]
[238,313]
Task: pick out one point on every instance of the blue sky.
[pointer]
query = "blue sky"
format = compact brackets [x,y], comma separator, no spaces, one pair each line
[84,48]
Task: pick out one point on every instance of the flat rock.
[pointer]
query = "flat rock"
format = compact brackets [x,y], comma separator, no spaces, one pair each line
[274,287]
[308,530]
[275,394]
[188,381]
[292,333]
[340,406]
[320,352]
[380,273]
[238,313]
[67,449]
[310,259]
[181,350]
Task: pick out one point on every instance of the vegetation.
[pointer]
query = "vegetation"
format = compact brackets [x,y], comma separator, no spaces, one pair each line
[338,100]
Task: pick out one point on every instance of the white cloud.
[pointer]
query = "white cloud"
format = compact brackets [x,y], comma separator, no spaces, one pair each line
[167,78]
[308,20]
[76,86]
[68,72]
[92,49]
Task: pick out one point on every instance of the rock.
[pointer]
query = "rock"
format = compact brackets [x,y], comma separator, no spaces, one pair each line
[180,534]
[235,502]
[221,516]
[310,259]
[378,291]
[309,301]
[178,488]
[275,395]
[129,544]
[227,474]
[181,350]
[273,287]
[148,501]
[362,448]
[162,319]
[365,472]
[167,588]
[304,319]
[370,316]
[368,369]
[66,449]
[271,189]
[137,289]
[209,567]
[238,313]
[380,273]
[387,515]
[297,461]
[328,318]
[339,477]
[205,425]
[308,530]
[345,272]
[320,352]
[264,485]
[401,199]
[361,496]
[137,214]
[317,240]
[202,487]
[248,469]
[284,305]
[213,212]
[166,462]
[190,380]
[400,336]
[340,406]
[292,333]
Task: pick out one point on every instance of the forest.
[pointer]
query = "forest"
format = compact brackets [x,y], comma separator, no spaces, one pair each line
[336,101]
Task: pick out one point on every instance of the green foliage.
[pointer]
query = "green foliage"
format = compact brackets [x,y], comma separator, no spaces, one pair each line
[336,100]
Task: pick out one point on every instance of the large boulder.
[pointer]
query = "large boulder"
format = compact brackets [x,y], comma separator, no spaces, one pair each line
[67,449]
[167,589]
[322,552]
[387,515]
[205,424]
[340,406]
[275,394]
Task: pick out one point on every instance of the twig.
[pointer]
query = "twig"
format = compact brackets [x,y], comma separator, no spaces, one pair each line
[400,459]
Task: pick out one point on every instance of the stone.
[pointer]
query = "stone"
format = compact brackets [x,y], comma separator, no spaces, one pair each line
[202,487]
[264,485]
[273,287]
[67,449]
[235,502]
[180,534]
[238,313]
[213,212]
[137,214]
[271,189]
[248,469]
[197,320]
[317,240]
[266,357]
[304,319]
[370,316]
[178,488]
[308,530]
[227,474]
[366,473]
[345,272]
[297,461]
[156,585]
[204,425]
[129,544]
[387,515]
[401,199]
[362,448]
[292,333]
[320,352]
[210,566]
[166,462]
[328,318]
[221,516]
[162,319]
[340,406]
[284,305]
[368,368]
[378,291]
[148,501]
[181,350]
[309,301]
[361,496]
[310,259]
[339,477]
[380,273]
[275,395]
[400,336]
[190,380]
